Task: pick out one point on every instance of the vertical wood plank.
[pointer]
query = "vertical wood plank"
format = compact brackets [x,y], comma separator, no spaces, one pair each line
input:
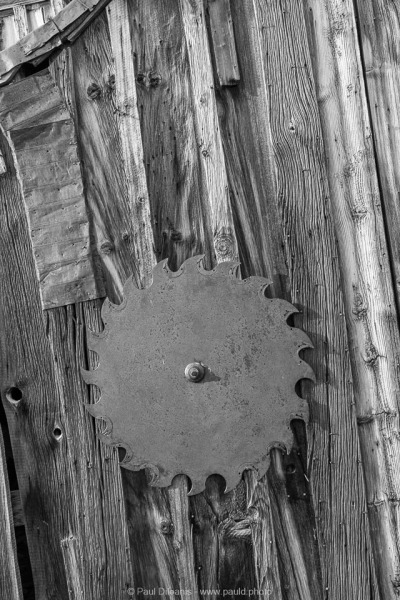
[8,31]
[223,42]
[263,536]
[130,134]
[379,28]
[30,420]
[206,128]
[10,580]
[86,75]
[96,551]
[249,157]
[183,536]
[70,550]
[21,20]
[367,281]
[56,6]
[64,491]
[172,155]
[303,199]
[279,98]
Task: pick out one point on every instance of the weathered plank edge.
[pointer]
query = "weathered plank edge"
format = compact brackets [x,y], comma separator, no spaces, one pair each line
[10,580]
[63,27]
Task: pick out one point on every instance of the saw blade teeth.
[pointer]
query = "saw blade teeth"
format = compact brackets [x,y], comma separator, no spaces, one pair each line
[160,272]
[126,460]
[106,427]
[93,340]
[152,474]
[164,480]
[96,410]
[303,341]
[232,480]
[197,486]
[283,308]
[107,311]
[302,414]
[130,287]
[229,269]
[90,377]
[105,438]
[284,446]
[263,467]
[258,284]
[306,371]
[191,266]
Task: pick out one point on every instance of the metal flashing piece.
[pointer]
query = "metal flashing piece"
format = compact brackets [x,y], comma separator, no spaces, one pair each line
[197,374]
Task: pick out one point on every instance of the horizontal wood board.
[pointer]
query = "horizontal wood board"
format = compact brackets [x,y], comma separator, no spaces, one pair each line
[286,170]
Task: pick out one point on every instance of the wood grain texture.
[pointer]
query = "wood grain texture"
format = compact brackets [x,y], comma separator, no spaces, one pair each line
[86,76]
[42,134]
[99,543]
[17,511]
[70,550]
[10,581]
[206,128]
[37,461]
[181,195]
[367,281]
[64,491]
[21,19]
[245,169]
[12,3]
[223,42]
[57,5]
[130,135]
[159,536]
[279,83]
[172,155]
[3,167]
[8,30]
[250,164]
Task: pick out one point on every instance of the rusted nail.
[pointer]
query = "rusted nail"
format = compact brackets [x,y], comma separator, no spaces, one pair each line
[194,372]
[94,91]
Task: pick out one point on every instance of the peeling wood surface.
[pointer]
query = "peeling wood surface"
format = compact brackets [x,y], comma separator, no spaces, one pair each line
[42,134]
[17,510]
[281,170]
[10,581]
[223,42]
[21,19]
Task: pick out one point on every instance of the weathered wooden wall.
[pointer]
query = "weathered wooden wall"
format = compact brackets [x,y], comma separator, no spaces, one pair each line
[260,129]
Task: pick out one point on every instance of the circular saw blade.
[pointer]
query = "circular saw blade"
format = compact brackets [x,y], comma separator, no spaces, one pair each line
[241,408]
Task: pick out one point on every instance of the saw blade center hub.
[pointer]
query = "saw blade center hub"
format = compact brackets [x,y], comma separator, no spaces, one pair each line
[195,372]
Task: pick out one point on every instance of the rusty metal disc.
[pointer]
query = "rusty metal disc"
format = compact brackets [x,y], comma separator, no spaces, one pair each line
[197,374]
